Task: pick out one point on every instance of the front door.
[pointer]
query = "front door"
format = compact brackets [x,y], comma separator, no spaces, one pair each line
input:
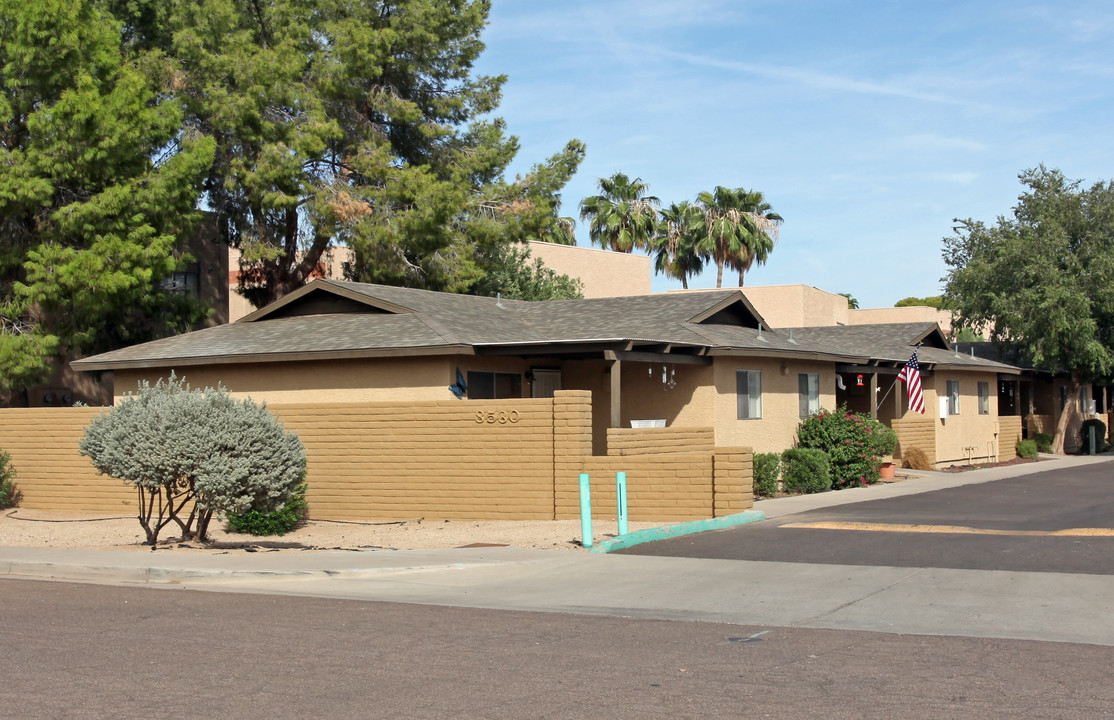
[546,382]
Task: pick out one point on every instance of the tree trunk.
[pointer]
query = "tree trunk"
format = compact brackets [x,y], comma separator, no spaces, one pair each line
[203,519]
[1070,408]
[719,273]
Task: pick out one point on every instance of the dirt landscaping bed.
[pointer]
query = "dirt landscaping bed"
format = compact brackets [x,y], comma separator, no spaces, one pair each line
[37,528]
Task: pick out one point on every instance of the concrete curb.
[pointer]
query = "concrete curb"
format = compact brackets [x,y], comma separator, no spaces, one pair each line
[171,575]
[676,530]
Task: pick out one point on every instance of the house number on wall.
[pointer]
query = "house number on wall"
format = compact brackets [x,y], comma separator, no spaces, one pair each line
[496,416]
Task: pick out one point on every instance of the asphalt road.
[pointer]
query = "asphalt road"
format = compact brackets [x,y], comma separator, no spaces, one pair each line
[89,651]
[1061,521]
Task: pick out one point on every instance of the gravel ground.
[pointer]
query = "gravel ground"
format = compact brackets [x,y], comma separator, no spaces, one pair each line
[38,528]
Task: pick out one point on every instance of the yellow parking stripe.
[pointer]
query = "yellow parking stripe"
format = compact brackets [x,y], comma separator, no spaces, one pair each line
[951,529]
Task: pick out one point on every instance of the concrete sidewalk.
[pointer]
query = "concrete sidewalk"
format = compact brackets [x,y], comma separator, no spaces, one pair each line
[1039,606]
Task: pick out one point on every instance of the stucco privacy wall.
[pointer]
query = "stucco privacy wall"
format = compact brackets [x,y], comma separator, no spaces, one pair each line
[514,459]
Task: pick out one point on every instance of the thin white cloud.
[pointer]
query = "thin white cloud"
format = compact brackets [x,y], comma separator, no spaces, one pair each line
[816,79]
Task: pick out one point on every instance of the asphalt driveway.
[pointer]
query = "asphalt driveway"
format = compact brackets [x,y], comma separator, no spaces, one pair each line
[1059,521]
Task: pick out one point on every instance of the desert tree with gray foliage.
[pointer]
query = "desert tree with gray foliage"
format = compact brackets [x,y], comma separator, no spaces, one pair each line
[190,453]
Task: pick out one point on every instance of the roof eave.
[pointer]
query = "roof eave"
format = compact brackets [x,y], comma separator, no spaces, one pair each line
[250,358]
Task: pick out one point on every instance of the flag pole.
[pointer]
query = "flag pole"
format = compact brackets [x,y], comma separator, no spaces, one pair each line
[879,403]
[896,380]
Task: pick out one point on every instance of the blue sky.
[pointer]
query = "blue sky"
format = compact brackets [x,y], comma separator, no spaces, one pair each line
[868,125]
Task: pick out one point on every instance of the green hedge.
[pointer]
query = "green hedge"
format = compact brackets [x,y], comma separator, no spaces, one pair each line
[1027,449]
[805,470]
[276,522]
[767,467]
[9,493]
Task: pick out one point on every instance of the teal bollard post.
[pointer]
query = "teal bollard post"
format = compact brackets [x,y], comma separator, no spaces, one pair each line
[621,501]
[585,512]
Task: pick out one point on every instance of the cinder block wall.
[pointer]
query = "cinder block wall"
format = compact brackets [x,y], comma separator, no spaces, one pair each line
[652,441]
[436,460]
[517,459]
[918,432]
[51,474]
[1009,434]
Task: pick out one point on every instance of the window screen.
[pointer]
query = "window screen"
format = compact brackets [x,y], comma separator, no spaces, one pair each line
[953,397]
[808,385]
[748,391]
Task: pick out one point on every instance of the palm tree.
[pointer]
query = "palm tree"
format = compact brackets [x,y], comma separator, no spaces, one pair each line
[622,217]
[763,233]
[741,229]
[676,246]
[561,232]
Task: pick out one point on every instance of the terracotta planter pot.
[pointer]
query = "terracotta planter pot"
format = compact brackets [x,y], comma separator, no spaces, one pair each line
[886,471]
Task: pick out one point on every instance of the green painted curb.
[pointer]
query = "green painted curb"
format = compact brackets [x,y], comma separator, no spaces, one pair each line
[676,530]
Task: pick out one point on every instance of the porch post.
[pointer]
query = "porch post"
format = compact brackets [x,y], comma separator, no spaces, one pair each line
[898,387]
[616,392]
[873,396]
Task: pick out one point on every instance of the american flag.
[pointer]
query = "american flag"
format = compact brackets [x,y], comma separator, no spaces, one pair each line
[911,376]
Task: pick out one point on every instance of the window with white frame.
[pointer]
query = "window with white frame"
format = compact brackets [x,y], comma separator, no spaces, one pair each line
[748,392]
[953,397]
[808,393]
[984,398]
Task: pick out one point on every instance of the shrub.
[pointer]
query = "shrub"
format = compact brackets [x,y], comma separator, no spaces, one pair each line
[853,442]
[1043,441]
[9,493]
[275,522]
[885,440]
[805,470]
[767,467]
[915,459]
[1100,435]
[1027,449]
[178,445]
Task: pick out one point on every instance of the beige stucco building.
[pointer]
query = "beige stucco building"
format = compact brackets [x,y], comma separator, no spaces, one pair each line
[679,360]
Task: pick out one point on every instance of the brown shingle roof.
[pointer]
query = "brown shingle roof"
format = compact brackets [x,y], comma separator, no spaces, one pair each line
[406,321]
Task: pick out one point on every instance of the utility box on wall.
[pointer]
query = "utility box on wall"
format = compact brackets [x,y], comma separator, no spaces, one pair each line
[943,408]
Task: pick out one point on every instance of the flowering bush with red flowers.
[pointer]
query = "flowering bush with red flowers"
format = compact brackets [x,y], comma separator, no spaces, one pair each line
[855,444]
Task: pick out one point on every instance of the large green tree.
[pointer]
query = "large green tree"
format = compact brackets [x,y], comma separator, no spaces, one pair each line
[1042,278]
[623,216]
[511,274]
[350,121]
[99,186]
[741,229]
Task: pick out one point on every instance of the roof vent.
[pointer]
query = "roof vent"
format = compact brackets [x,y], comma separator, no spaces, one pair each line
[499,301]
[760,333]
[791,336]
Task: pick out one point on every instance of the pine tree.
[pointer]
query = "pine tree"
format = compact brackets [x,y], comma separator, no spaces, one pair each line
[99,185]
